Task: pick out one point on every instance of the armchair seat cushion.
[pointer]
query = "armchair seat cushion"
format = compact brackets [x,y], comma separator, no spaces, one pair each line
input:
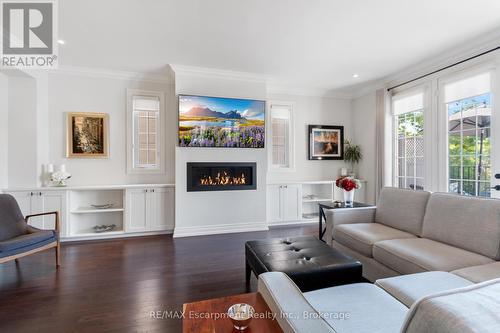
[361,236]
[415,255]
[26,242]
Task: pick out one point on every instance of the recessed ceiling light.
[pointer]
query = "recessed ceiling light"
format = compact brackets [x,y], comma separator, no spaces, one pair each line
[355,76]
[60,41]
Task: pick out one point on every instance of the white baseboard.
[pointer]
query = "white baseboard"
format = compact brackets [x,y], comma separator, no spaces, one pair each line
[292,223]
[219,229]
[114,236]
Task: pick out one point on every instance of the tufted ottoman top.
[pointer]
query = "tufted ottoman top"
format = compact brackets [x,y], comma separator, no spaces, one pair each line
[310,263]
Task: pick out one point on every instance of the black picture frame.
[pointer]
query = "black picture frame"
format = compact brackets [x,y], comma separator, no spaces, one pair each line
[337,150]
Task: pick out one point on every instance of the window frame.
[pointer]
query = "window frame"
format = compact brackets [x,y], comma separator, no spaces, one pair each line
[427,132]
[273,168]
[160,135]
[442,115]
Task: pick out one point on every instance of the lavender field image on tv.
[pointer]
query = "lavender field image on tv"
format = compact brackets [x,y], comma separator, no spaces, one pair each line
[221,122]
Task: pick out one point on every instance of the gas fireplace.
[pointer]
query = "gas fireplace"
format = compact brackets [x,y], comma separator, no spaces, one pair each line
[216,176]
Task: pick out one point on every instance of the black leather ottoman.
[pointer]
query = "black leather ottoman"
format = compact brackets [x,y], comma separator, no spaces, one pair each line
[309,262]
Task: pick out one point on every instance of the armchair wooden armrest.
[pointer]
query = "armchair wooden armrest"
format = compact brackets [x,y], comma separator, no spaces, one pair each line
[47,213]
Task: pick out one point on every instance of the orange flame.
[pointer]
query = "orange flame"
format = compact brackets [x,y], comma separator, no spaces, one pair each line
[223,179]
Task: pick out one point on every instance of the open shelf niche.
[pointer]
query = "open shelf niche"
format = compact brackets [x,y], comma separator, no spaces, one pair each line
[312,193]
[84,217]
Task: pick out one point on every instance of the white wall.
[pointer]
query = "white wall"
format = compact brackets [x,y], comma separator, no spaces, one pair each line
[364,129]
[223,211]
[69,92]
[4,132]
[309,110]
[22,152]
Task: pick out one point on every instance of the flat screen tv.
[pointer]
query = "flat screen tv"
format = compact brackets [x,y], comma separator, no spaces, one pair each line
[221,122]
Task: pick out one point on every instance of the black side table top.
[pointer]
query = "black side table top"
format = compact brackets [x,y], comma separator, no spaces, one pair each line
[331,205]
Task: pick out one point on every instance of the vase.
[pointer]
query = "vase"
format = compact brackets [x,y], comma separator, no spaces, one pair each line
[349,198]
[61,183]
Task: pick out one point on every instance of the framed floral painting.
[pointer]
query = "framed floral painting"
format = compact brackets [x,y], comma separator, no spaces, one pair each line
[87,135]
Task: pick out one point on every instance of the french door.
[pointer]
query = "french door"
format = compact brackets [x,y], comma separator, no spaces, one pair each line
[472,134]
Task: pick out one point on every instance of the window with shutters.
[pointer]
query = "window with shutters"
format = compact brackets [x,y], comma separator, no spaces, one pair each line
[281,136]
[468,107]
[145,131]
[408,113]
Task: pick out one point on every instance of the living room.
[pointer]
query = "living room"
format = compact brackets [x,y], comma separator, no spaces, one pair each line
[218,166]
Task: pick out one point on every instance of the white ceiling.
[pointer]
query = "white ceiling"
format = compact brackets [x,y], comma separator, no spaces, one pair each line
[318,43]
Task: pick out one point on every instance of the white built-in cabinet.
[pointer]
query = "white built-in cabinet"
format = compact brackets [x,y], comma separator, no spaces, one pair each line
[149,209]
[37,201]
[134,209]
[297,202]
[284,203]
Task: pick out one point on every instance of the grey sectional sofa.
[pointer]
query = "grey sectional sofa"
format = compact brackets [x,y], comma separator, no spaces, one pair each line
[430,302]
[434,259]
[417,231]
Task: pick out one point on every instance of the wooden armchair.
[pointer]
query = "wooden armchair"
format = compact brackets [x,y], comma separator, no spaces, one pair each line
[18,239]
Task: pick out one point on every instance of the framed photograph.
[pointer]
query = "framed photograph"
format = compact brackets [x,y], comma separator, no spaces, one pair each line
[87,135]
[326,142]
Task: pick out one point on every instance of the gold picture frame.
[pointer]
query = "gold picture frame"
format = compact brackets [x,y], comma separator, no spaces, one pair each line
[87,135]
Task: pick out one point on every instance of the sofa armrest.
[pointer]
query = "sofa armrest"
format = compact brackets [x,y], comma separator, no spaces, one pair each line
[336,217]
[288,304]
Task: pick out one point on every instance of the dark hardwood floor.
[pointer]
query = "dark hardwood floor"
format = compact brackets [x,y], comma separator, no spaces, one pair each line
[112,286]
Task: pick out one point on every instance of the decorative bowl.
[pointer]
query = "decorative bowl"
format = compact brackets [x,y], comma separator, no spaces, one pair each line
[241,314]
[103,206]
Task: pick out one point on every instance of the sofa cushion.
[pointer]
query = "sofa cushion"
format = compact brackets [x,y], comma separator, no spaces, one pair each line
[361,236]
[289,305]
[359,307]
[474,308]
[409,288]
[475,223]
[402,209]
[12,222]
[480,273]
[414,255]
[26,240]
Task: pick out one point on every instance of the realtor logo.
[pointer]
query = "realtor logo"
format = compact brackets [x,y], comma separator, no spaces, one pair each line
[28,31]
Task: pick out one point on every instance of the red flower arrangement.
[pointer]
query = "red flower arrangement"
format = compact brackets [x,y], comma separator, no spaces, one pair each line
[347,183]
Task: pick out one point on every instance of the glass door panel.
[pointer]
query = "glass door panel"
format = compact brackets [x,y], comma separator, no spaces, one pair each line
[469,145]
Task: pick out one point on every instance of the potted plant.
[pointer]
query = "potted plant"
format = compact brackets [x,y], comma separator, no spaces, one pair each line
[352,155]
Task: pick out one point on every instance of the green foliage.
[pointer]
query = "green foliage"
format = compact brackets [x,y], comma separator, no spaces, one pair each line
[352,153]
[411,124]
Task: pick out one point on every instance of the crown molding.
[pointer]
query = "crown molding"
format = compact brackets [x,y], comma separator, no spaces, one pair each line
[218,73]
[113,74]
[284,89]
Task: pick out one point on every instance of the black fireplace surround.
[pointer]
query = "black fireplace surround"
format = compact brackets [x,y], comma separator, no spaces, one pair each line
[221,176]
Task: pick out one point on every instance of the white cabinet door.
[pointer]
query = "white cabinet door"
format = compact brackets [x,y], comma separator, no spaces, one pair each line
[136,210]
[169,212]
[160,205]
[274,203]
[51,201]
[157,209]
[35,202]
[291,195]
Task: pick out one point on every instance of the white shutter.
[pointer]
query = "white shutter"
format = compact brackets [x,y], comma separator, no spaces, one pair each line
[469,87]
[146,103]
[407,103]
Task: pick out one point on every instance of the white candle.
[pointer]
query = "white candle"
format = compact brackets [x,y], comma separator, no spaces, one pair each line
[50,168]
[62,168]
